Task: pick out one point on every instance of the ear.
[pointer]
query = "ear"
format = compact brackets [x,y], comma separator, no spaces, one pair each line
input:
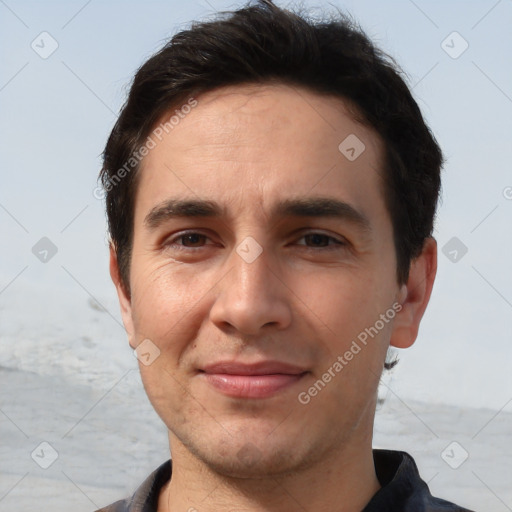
[414,296]
[124,299]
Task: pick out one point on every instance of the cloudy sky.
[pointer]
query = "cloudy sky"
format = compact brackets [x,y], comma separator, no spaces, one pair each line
[64,71]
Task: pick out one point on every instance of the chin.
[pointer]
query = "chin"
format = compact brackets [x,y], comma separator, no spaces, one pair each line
[251,463]
[254,455]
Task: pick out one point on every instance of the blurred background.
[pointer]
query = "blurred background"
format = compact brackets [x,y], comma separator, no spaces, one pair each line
[67,375]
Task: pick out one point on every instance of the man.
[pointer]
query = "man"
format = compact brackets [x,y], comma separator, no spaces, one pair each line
[271,188]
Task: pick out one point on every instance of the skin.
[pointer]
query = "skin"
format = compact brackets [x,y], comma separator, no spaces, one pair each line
[303,300]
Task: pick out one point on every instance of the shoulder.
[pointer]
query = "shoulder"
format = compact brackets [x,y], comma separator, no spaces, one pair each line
[118,506]
[402,487]
[145,498]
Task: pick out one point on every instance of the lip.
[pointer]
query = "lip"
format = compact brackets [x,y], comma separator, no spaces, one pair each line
[257,380]
[259,368]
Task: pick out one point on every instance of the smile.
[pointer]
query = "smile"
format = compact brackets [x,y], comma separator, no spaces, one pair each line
[256,379]
[251,386]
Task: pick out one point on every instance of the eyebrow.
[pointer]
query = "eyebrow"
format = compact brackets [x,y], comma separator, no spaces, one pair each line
[299,207]
[322,207]
[172,208]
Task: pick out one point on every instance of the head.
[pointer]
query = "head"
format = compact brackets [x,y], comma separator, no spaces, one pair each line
[271,188]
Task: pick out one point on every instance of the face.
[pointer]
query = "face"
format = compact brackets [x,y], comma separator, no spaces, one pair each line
[264,272]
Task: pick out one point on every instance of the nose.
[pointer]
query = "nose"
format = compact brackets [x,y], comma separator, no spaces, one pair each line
[252,295]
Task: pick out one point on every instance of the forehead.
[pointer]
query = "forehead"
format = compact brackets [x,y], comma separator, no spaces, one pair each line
[252,145]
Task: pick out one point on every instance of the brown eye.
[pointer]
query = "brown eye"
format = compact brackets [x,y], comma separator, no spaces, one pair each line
[320,240]
[192,239]
[317,240]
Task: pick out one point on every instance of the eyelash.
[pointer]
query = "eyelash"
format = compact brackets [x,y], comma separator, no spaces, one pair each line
[338,244]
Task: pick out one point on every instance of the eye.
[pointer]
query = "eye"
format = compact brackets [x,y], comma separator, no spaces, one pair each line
[190,239]
[193,239]
[321,240]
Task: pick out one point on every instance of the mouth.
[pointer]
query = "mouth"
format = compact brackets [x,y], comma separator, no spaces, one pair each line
[260,380]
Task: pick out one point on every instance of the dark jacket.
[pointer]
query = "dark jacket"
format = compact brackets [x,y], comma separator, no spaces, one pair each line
[402,489]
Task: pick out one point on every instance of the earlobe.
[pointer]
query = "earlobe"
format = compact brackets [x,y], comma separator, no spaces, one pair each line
[124,299]
[415,295]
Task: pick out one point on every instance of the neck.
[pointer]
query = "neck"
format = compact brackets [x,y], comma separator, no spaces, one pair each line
[343,481]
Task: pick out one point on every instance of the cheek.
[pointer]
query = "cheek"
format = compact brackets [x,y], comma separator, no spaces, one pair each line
[166,309]
[344,301]
[348,308]
[165,302]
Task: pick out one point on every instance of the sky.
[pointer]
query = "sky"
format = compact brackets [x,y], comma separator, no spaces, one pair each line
[64,72]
